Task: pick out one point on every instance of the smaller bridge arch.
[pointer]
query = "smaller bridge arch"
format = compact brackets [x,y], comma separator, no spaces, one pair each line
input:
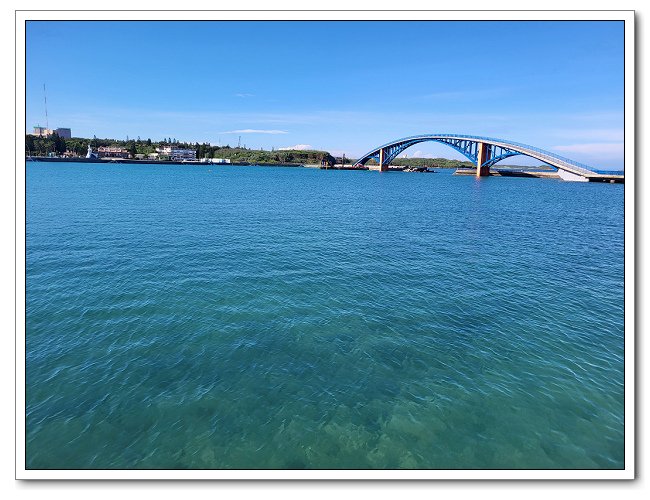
[484,152]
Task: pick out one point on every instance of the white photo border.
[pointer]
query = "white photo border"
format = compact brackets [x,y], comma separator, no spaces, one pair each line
[22,16]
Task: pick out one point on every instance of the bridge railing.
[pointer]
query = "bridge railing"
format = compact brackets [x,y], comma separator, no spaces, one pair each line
[548,154]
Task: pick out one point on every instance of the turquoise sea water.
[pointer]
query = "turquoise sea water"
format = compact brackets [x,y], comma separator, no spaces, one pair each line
[257,317]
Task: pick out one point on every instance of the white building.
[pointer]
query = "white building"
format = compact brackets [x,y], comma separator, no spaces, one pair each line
[112,152]
[65,133]
[177,153]
[41,131]
[215,160]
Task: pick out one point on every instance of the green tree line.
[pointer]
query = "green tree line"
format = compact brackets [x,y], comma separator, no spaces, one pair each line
[428,162]
[42,146]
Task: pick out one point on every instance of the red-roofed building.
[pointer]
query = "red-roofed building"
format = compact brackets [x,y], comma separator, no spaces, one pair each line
[112,152]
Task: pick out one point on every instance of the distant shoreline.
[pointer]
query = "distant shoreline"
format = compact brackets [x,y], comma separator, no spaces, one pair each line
[47,159]
[504,171]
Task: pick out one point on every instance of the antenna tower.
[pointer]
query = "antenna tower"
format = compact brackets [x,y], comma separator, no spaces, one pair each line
[47,123]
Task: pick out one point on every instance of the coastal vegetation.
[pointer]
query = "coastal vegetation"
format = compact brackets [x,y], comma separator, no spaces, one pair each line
[143,148]
[447,163]
[427,162]
[78,146]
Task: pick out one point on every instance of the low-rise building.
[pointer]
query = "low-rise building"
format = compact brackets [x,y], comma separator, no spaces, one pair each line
[215,160]
[41,131]
[177,154]
[112,152]
[65,133]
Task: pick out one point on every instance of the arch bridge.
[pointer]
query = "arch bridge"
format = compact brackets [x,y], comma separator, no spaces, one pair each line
[484,152]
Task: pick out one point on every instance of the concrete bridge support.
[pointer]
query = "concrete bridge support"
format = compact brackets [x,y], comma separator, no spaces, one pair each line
[483,156]
[568,176]
[383,166]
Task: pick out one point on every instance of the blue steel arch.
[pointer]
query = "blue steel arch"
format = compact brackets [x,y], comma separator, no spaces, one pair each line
[468,145]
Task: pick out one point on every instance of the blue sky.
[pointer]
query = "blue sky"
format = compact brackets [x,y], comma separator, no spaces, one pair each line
[339,86]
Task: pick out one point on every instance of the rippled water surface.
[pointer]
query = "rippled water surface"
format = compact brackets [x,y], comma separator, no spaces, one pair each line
[258,317]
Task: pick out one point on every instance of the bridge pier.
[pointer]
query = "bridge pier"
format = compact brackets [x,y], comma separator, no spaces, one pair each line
[383,166]
[483,155]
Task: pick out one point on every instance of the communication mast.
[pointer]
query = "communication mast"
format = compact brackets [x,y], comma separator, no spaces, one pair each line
[47,123]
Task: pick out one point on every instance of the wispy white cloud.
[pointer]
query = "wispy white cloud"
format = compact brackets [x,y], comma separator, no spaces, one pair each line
[609,135]
[244,94]
[597,149]
[415,122]
[298,147]
[254,131]
[455,95]
[341,152]
[592,137]
[417,154]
